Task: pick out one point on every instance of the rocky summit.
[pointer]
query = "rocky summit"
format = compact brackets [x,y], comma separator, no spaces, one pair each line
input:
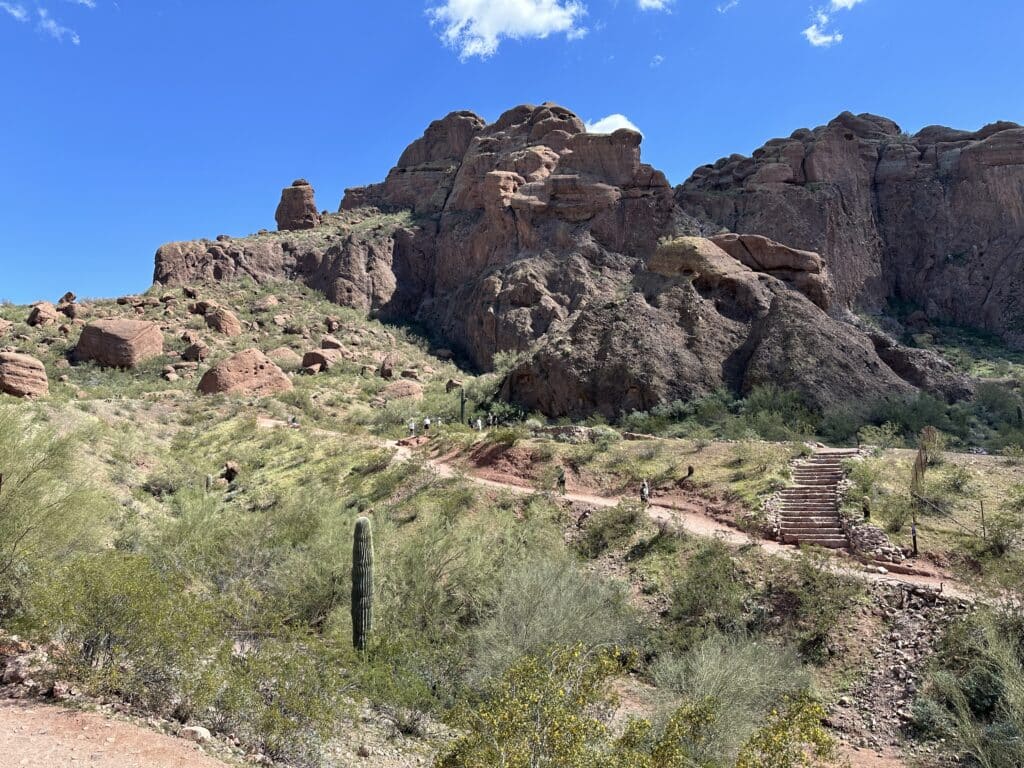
[616,292]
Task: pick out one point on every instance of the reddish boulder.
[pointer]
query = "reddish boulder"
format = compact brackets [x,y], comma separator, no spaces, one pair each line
[803,269]
[22,376]
[6,326]
[322,359]
[297,209]
[401,390]
[248,372]
[43,313]
[120,343]
[196,352]
[223,320]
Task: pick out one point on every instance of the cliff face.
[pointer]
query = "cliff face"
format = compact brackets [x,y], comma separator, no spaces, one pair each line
[935,219]
[530,235]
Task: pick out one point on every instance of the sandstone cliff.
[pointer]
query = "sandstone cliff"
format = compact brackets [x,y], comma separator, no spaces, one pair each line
[531,235]
[935,219]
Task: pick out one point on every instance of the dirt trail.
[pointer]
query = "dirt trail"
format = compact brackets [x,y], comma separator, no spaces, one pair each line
[34,735]
[695,521]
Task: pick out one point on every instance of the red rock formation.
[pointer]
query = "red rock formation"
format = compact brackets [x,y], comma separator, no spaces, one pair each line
[297,209]
[120,343]
[531,234]
[22,376]
[248,372]
[936,218]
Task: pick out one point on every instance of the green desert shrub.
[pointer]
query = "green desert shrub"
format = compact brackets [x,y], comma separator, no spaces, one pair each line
[974,692]
[611,526]
[49,506]
[740,678]
[543,602]
[808,600]
[130,630]
[708,597]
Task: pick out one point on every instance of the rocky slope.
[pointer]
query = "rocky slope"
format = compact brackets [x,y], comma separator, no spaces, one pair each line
[935,219]
[531,235]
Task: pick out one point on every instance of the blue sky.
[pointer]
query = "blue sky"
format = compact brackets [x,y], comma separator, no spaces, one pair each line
[127,124]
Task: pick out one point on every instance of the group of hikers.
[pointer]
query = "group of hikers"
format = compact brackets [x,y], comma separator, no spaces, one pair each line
[477,424]
[645,487]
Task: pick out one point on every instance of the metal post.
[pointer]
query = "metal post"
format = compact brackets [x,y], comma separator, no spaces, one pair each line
[462,405]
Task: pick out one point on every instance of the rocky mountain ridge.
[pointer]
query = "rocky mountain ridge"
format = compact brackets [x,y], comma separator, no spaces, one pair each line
[530,235]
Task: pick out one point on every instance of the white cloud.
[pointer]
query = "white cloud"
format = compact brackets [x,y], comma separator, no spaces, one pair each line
[727,6]
[476,27]
[819,34]
[657,60]
[820,38]
[654,5]
[611,124]
[86,3]
[15,11]
[54,29]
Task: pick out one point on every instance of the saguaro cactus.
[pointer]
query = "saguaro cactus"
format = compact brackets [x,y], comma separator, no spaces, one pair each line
[362,583]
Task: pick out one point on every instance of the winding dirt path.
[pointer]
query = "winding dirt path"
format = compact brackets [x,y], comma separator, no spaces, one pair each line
[34,735]
[692,520]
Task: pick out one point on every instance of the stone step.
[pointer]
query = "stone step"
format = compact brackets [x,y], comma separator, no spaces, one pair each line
[831,542]
[813,533]
[810,522]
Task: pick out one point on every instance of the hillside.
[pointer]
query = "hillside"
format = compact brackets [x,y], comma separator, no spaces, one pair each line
[182,471]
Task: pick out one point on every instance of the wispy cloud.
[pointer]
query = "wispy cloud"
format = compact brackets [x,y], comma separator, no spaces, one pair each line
[654,5]
[611,124]
[820,34]
[55,29]
[727,6]
[477,27]
[15,11]
[86,3]
[657,60]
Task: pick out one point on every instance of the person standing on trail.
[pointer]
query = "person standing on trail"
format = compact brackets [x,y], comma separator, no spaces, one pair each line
[479,425]
[412,427]
[426,425]
[866,508]
[645,492]
[561,480]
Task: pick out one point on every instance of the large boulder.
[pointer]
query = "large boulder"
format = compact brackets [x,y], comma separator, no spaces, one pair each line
[43,313]
[297,209]
[119,343]
[22,376]
[248,372]
[223,320]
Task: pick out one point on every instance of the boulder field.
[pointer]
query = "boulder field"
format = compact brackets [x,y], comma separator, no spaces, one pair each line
[618,292]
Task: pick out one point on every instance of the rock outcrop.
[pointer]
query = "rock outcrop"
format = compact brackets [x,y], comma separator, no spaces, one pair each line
[43,313]
[297,209]
[248,372]
[530,235]
[935,219]
[119,343]
[223,320]
[22,376]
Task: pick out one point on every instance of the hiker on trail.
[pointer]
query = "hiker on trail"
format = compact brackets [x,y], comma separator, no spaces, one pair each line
[866,508]
[479,425]
[412,427]
[561,480]
[426,425]
[645,492]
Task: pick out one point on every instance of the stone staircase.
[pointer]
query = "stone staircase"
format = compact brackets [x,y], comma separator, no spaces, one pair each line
[809,509]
